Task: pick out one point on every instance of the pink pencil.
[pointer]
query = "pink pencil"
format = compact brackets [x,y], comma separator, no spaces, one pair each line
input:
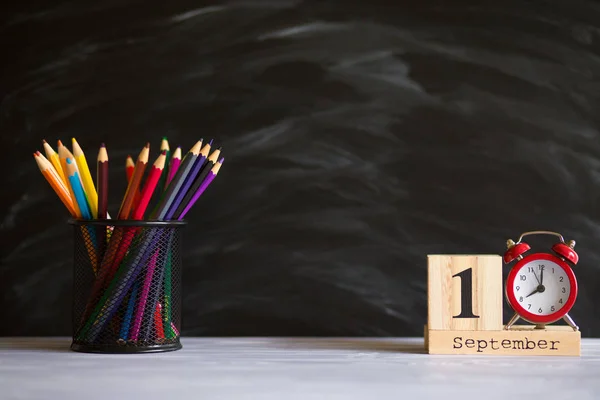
[174,165]
[139,312]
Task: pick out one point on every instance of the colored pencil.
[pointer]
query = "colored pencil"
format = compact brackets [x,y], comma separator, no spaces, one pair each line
[151,182]
[78,193]
[134,183]
[139,311]
[164,146]
[157,279]
[129,167]
[210,163]
[102,180]
[129,312]
[174,165]
[158,322]
[78,196]
[169,195]
[189,179]
[55,182]
[55,160]
[211,176]
[86,178]
[63,154]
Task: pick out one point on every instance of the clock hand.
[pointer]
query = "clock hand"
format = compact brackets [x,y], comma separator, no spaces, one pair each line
[536,278]
[537,289]
[542,277]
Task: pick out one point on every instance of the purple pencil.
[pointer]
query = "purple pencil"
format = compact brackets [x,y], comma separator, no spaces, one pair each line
[189,179]
[139,312]
[211,176]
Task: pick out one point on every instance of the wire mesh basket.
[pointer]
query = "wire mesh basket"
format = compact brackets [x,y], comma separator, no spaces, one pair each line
[126,286]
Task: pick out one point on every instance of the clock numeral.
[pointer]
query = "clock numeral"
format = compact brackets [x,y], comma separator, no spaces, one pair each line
[521,299]
[542,267]
[561,279]
[466,294]
[522,277]
[560,301]
[564,290]
[540,310]
[552,308]
[529,306]
[552,269]
[530,269]
[518,287]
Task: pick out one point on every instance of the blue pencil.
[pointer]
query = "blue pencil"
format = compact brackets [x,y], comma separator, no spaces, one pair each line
[77,189]
[129,312]
[79,197]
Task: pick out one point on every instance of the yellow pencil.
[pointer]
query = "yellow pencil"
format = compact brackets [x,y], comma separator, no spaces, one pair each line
[86,179]
[55,161]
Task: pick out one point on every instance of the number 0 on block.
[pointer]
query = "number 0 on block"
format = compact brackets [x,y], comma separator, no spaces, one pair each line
[464,292]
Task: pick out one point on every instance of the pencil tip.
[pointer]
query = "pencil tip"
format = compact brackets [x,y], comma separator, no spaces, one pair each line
[221,160]
[147,145]
[210,143]
[102,145]
[59,142]
[164,138]
[219,148]
[164,152]
[35,154]
[44,141]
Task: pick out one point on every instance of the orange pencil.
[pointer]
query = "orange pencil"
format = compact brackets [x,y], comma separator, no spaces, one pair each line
[129,168]
[55,182]
[134,183]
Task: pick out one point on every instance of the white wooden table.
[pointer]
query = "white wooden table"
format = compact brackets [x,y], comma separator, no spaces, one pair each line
[289,368]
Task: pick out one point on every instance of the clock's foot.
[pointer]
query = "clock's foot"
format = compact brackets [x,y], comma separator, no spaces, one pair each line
[540,326]
[512,321]
[571,323]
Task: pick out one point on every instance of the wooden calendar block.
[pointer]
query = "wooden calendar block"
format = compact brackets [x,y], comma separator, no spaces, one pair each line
[521,340]
[464,292]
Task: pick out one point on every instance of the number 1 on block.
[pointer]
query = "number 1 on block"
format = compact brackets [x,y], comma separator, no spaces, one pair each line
[464,292]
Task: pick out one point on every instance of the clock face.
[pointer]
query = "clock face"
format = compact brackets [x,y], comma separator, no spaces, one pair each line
[541,288]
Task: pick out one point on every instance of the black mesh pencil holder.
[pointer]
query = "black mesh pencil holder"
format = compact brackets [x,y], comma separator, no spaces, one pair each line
[126,286]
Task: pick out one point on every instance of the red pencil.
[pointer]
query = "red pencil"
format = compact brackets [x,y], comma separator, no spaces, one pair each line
[129,167]
[150,185]
[158,322]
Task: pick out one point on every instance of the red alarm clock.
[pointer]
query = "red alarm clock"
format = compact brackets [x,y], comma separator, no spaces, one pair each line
[541,288]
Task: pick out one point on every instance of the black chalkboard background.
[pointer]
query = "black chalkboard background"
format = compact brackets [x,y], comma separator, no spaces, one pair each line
[359,136]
